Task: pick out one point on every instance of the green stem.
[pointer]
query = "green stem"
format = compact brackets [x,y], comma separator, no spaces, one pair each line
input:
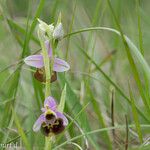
[46,65]
[47,143]
[47,68]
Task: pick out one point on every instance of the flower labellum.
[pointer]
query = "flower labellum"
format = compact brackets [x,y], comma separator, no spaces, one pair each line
[59,65]
[40,75]
[51,121]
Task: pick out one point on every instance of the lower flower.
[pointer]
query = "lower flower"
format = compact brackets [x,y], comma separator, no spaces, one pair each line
[51,121]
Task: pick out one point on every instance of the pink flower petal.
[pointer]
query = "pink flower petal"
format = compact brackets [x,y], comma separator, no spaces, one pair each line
[43,109]
[60,65]
[48,47]
[50,102]
[34,61]
[60,115]
[38,123]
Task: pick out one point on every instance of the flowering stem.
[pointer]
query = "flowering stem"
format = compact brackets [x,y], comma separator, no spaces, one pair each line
[47,143]
[48,78]
[46,65]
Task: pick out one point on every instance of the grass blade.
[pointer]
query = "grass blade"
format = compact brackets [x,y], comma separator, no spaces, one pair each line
[135,116]
[131,61]
[116,86]
[20,130]
[97,131]
[62,100]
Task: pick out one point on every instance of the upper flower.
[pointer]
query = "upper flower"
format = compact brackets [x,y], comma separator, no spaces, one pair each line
[51,121]
[56,32]
[37,60]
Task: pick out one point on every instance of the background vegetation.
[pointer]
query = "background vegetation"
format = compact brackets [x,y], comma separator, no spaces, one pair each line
[108,85]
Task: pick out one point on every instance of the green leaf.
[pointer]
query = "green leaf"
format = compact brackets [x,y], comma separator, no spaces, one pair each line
[21,132]
[134,49]
[96,131]
[97,110]
[135,116]
[62,99]
[74,106]
[114,84]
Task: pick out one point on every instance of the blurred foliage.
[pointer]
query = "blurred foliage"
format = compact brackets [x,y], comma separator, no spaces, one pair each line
[85,82]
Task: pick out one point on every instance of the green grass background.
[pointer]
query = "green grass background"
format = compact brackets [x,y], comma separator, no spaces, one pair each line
[108,80]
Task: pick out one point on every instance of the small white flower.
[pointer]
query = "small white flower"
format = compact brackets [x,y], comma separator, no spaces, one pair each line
[58,32]
[46,28]
[51,27]
[42,25]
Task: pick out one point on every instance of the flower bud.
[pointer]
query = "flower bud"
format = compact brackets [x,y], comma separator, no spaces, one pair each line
[46,29]
[58,32]
[42,25]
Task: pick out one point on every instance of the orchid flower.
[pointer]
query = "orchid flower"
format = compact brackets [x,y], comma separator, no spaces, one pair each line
[59,65]
[51,121]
